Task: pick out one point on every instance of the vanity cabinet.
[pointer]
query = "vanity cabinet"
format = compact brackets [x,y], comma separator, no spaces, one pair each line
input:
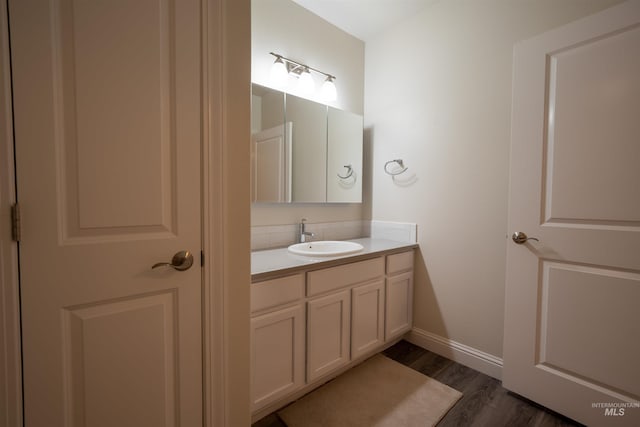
[307,327]
[277,339]
[330,322]
[398,295]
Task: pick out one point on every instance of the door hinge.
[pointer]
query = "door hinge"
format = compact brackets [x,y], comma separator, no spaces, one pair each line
[15,222]
[201,258]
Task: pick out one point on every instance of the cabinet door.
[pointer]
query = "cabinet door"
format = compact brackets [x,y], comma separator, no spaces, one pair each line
[328,337]
[399,305]
[367,318]
[277,355]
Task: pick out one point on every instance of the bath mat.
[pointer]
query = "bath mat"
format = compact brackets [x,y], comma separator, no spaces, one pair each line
[378,393]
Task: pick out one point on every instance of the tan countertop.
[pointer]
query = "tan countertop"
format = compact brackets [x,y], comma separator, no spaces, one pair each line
[280,262]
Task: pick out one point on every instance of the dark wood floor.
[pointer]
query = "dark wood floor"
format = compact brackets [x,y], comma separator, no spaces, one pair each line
[484,401]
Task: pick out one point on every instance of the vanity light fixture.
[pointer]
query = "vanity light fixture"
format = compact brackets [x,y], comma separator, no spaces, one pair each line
[305,82]
[284,66]
[329,92]
[279,73]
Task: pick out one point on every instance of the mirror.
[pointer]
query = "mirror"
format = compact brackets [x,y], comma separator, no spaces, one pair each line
[303,151]
[309,149]
[344,156]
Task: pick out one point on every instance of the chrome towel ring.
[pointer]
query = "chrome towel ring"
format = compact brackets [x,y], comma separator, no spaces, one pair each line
[349,172]
[394,172]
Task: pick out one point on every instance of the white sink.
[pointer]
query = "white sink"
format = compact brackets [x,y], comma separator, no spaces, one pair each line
[325,248]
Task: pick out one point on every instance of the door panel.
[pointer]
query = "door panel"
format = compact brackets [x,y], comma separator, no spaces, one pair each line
[99,133]
[570,315]
[271,149]
[592,112]
[114,109]
[572,295]
[107,106]
[104,343]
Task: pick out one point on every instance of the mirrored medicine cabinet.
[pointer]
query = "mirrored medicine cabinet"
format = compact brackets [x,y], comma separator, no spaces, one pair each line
[303,151]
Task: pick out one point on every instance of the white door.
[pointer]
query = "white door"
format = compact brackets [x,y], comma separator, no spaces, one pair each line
[107,128]
[572,323]
[271,151]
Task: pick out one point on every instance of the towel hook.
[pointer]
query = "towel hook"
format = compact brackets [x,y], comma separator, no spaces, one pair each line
[400,163]
[349,172]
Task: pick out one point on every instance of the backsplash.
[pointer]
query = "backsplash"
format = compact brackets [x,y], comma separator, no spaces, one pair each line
[398,231]
[279,236]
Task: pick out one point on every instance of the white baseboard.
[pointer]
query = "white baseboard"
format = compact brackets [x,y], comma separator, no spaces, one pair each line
[463,354]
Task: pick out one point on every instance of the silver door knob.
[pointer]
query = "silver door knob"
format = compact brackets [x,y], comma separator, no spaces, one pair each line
[181,261]
[519,237]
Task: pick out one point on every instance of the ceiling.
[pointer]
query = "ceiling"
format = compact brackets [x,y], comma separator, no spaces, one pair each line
[364,18]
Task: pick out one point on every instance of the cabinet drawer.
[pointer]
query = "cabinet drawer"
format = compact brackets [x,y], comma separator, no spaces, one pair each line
[274,292]
[397,263]
[344,275]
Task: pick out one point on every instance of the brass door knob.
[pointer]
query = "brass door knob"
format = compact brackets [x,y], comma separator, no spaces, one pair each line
[519,237]
[181,261]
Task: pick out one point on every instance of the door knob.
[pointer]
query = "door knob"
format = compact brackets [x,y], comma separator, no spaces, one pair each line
[519,237]
[181,261]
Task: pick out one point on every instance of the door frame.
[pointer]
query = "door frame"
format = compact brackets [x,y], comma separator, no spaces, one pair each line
[227,207]
[10,350]
[226,29]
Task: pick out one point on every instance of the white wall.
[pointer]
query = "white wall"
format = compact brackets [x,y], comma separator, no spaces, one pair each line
[283,27]
[438,95]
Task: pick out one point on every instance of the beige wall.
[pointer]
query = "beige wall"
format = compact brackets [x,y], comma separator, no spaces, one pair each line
[283,27]
[438,95]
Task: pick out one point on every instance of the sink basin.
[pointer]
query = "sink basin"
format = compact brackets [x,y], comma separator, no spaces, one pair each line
[325,248]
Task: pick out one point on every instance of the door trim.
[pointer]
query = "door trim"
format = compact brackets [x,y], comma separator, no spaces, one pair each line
[226,83]
[10,347]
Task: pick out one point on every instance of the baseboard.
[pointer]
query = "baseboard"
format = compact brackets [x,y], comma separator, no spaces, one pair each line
[463,354]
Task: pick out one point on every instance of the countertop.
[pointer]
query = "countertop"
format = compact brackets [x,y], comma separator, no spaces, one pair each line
[279,262]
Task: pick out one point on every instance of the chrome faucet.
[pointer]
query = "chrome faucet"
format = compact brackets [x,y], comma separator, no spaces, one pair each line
[303,233]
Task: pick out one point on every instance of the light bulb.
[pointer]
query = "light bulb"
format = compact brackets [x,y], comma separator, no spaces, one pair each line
[305,82]
[329,92]
[279,73]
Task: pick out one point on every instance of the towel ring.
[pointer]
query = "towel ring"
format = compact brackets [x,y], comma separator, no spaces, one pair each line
[398,172]
[349,172]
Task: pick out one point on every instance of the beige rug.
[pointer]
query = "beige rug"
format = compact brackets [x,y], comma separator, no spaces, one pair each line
[379,392]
